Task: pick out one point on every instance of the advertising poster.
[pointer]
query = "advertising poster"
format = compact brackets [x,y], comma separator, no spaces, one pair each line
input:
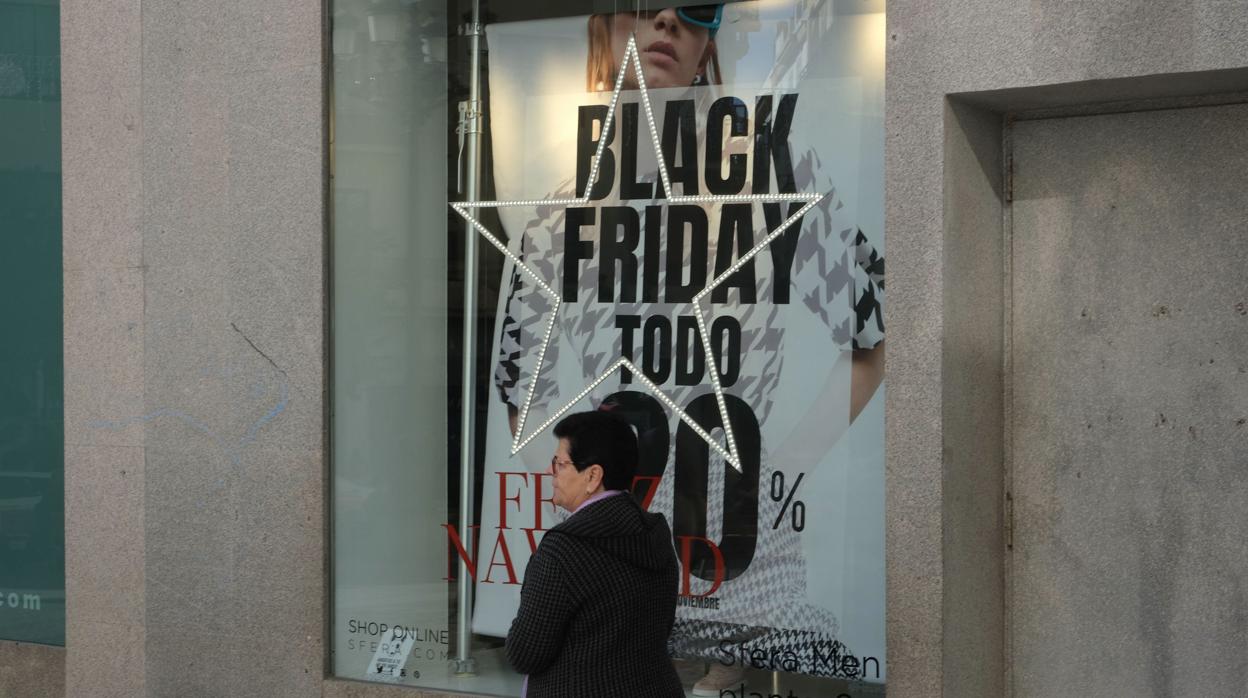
[782,559]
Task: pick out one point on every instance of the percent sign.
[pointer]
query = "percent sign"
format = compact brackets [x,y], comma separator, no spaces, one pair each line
[777,494]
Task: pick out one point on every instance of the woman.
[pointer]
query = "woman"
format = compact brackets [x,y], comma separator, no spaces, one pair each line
[676,46]
[599,594]
[775,594]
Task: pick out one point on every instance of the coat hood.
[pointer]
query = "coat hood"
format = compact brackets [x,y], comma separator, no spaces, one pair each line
[619,527]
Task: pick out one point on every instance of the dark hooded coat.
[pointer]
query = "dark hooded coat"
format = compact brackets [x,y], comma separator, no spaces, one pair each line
[597,607]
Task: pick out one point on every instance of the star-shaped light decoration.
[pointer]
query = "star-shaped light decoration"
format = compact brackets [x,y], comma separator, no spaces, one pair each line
[521,439]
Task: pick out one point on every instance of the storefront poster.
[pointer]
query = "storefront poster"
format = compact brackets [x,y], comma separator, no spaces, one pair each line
[783,560]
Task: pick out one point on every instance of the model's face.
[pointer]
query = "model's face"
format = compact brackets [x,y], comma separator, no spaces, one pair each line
[672,52]
[572,486]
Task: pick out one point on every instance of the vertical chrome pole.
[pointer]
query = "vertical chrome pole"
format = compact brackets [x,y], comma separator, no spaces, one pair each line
[470,125]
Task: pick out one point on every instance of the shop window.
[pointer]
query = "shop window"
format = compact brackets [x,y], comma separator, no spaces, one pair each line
[32,469]
[451,357]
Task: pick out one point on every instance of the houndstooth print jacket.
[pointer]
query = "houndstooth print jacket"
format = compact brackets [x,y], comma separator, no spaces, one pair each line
[597,605]
[837,278]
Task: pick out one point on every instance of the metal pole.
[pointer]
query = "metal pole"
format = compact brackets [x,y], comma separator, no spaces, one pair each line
[470,123]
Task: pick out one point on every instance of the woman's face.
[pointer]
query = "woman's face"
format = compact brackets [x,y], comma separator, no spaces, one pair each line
[572,486]
[672,52]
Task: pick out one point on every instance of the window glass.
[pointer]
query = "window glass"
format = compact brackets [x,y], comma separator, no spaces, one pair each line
[32,471]
[728,294]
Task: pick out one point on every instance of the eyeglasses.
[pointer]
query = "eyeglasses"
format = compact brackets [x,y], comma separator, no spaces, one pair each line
[555,462]
[707,16]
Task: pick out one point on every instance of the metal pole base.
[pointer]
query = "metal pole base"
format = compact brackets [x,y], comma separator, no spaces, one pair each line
[465,668]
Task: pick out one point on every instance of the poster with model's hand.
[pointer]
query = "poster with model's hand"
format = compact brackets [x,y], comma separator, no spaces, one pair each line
[751,323]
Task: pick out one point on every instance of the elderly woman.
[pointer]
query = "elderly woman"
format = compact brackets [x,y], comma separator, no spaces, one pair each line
[599,594]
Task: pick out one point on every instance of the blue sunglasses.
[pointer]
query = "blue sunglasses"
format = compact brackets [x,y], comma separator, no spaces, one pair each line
[705,16]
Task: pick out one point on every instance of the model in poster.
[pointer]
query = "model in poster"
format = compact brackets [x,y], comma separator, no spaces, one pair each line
[767,604]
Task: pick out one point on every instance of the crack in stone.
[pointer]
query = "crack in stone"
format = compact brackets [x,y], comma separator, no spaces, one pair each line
[261,353]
